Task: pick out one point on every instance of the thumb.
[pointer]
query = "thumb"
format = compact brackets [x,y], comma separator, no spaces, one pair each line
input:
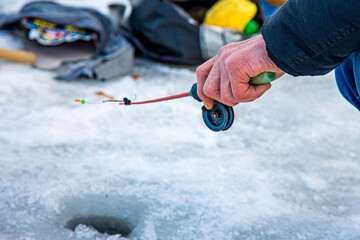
[208,103]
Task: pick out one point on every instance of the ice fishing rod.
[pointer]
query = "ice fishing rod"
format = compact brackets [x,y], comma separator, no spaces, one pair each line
[219,118]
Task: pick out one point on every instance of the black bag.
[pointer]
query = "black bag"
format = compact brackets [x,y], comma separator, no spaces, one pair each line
[163,31]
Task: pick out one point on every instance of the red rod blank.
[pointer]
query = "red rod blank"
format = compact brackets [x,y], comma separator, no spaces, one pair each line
[182,95]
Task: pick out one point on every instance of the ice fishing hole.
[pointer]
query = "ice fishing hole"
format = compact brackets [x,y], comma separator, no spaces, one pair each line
[104,225]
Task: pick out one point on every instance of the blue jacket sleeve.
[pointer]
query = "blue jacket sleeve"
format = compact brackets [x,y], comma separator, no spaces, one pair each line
[312,37]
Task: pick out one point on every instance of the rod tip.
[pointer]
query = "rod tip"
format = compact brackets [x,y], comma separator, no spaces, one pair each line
[80,101]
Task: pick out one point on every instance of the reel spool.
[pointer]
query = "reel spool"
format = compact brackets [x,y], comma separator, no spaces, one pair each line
[219,118]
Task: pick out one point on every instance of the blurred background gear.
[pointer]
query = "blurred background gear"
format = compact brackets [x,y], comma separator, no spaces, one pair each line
[77,42]
[233,14]
[120,12]
[276,3]
[212,38]
[196,8]
[271,6]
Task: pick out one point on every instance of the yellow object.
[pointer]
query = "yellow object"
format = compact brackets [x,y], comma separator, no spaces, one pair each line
[231,14]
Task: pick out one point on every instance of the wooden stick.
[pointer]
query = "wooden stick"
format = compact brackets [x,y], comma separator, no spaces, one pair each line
[18,56]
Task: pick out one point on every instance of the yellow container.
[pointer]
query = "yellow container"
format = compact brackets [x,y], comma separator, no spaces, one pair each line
[231,14]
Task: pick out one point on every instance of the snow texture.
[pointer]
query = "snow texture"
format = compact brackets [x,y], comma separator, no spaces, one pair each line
[287,169]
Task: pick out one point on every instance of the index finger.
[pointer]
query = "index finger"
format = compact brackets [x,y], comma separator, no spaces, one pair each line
[202,72]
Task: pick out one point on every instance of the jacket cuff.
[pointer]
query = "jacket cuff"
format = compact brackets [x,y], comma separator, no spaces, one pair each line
[271,46]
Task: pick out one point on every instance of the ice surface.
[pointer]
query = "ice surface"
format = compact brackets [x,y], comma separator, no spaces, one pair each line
[287,169]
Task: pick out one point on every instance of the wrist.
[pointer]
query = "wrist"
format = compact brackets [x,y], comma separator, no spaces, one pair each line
[262,58]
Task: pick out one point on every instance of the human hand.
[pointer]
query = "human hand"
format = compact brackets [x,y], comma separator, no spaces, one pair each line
[225,78]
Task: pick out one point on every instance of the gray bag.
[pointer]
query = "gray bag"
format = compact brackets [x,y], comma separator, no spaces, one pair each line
[113,54]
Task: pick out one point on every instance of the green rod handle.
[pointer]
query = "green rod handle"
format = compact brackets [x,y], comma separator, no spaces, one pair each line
[265,77]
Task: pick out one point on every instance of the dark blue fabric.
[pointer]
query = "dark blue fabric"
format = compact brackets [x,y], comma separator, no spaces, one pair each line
[312,37]
[348,79]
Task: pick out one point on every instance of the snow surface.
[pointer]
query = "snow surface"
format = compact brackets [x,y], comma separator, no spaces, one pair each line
[287,169]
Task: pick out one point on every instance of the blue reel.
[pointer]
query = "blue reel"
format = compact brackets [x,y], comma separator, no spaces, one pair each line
[219,118]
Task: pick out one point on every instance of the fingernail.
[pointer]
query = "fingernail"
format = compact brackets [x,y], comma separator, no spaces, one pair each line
[207,106]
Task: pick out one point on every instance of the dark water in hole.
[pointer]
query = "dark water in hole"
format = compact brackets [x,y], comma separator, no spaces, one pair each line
[108,225]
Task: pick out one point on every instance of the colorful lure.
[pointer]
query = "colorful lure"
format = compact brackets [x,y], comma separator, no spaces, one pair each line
[50,34]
